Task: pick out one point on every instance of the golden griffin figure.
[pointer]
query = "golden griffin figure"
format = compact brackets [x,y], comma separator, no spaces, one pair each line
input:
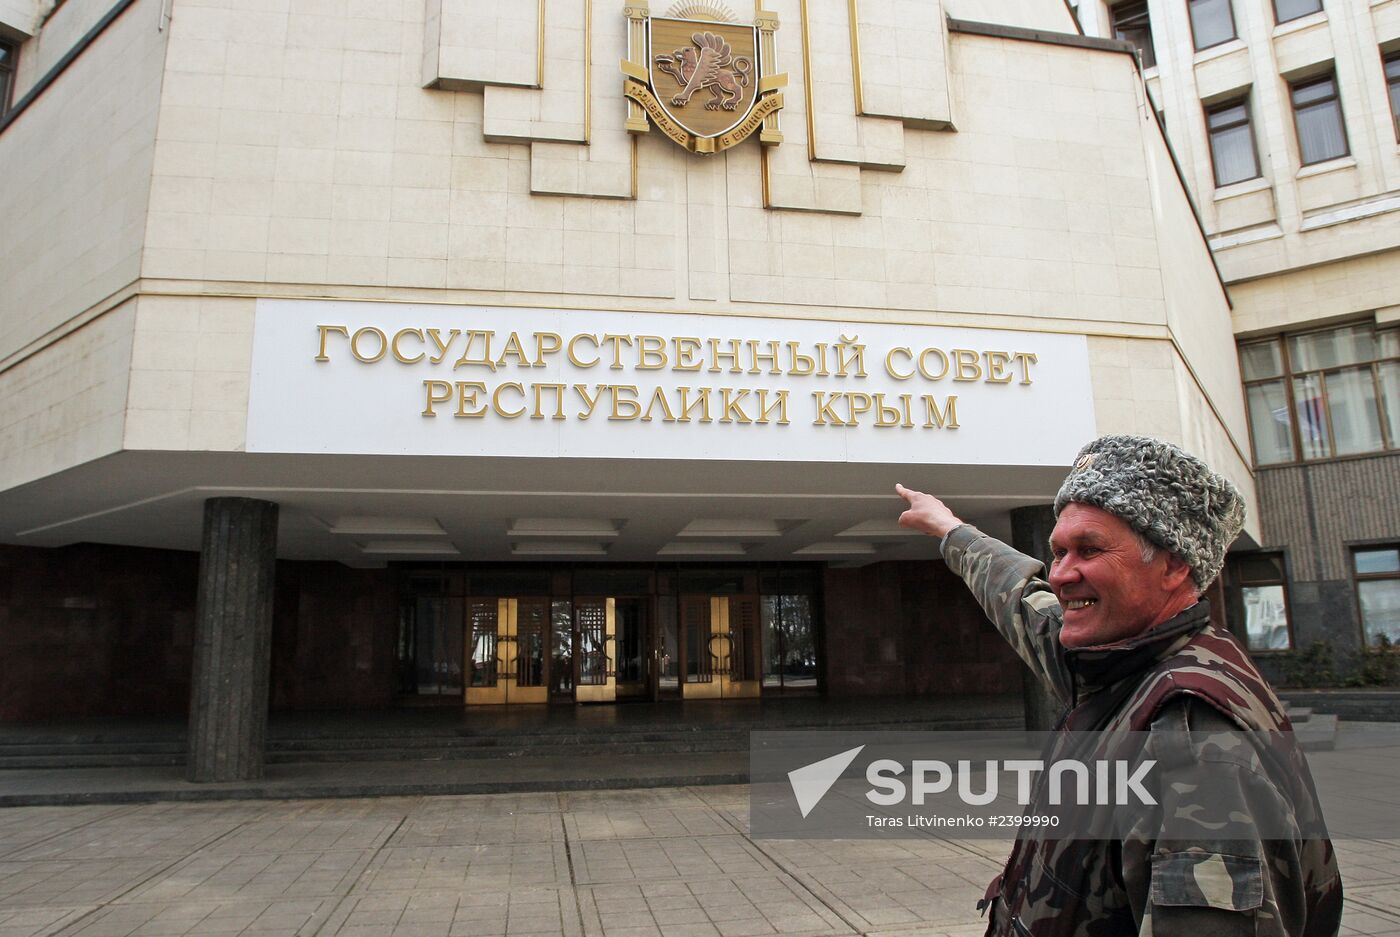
[708,62]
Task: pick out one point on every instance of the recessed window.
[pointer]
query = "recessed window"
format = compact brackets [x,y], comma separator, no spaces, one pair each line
[1317,112]
[1377,571]
[1263,600]
[1285,10]
[1231,142]
[1212,22]
[1323,394]
[1392,80]
[1130,23]
[9,55]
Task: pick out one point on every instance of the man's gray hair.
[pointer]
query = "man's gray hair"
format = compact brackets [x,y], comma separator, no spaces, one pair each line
[1148,548]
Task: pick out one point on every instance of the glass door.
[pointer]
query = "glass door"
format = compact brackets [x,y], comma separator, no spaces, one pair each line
[506,651]
[561,657]
[530,630]
[488,642]
[430,646]
[667,653]
[723,646]
[634,649]
[595,676]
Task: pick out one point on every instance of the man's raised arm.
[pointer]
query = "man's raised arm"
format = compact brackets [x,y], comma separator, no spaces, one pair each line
[1003,581]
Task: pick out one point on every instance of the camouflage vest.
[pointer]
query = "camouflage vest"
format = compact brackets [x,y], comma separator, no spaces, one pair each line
[1073,888]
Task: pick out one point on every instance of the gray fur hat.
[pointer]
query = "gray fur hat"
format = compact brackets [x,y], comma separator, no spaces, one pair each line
[1168,495]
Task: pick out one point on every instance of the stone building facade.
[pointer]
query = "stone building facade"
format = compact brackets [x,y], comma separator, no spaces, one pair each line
[546,396]
[1283,114]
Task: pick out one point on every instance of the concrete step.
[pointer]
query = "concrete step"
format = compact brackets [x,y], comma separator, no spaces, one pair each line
[1363,704]
[447,745]
[1318,734]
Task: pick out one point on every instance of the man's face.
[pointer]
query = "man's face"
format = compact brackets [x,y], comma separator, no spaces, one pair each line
[1107,592]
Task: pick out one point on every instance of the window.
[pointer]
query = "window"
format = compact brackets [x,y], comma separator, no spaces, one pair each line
[1323,394]
[1263,600]
[1285,10]
[1231,143]
[1212,22]
[1378,592]
[1130,23]
[9,54]
[1392,79]
[1317,112]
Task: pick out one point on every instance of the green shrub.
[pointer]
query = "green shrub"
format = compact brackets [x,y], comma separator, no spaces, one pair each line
[1314,666]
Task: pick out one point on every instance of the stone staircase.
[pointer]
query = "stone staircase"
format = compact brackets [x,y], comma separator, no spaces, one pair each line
[340,741]
[303,743]
[1316,732]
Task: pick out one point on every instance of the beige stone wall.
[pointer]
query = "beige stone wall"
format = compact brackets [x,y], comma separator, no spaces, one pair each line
[1205,343]
[299,154]
[1038,206]
[1293,215]
[65,404]
[76,176]
[1039,209]
[1325,293]
[54,31]
[190,362]
[1029,14]
[19,16]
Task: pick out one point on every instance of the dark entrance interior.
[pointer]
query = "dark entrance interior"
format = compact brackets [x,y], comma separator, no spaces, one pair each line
[493,634]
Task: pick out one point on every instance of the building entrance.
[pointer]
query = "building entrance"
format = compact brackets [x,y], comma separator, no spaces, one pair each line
[605,635]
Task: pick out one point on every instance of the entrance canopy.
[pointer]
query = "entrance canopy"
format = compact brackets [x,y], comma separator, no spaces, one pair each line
[368,510]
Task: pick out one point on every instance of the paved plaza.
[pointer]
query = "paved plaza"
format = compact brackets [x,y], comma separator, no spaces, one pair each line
[639,863]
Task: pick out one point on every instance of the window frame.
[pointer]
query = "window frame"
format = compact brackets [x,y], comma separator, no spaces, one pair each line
[1391,61]
[9,69]
[1147,55]
[1191,21]
[1293,88]
[1287,375]
[1281,21]
[1248,122]
[1239,584]
[1357,578]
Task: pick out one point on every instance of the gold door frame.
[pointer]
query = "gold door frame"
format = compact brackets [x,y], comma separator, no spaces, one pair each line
[495,694]
[720,648]
[507,688]
[605,692]
[733,687]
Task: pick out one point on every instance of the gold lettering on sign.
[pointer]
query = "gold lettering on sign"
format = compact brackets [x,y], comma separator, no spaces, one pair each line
[647,354]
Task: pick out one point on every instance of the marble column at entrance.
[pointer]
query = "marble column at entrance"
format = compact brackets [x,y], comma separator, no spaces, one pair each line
[1030,534]
[233,640]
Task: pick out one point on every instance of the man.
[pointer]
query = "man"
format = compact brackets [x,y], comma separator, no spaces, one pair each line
[1122,637]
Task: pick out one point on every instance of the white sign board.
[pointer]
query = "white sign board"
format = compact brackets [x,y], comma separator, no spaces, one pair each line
[409,379]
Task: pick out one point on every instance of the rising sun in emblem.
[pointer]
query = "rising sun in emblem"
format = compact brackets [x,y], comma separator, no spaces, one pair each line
[715,12]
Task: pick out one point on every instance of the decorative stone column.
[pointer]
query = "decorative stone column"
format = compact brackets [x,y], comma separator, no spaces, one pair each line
[233,640]
[1030,534]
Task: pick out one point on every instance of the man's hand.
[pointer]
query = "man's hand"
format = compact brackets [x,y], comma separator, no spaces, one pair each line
[926,513]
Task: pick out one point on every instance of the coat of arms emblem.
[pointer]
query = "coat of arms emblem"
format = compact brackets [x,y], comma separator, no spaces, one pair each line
[702,78]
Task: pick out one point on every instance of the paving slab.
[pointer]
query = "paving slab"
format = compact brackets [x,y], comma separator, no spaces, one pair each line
[652,862]
[145,784]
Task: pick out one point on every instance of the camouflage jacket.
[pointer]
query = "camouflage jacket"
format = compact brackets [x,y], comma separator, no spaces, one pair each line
[1184,675]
